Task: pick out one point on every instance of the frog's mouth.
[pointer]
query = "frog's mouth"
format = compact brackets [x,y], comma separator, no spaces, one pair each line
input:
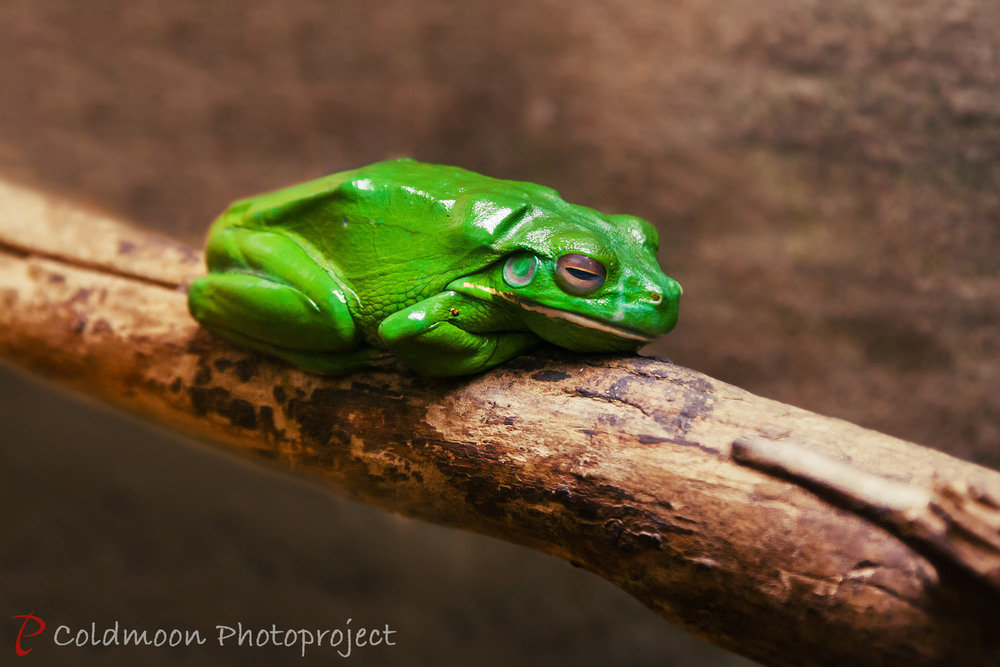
[574,318]
[583,321]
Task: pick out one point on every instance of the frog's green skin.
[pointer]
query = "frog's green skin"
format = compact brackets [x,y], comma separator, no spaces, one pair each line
[410,258]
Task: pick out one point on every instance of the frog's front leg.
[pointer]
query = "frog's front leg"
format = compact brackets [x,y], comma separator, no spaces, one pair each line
[266,293]
[452,334]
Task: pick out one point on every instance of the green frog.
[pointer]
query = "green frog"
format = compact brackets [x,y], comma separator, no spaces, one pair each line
[450,271]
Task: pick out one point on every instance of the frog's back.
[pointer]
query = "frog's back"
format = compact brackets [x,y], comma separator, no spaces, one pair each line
[393,220]
[392,233]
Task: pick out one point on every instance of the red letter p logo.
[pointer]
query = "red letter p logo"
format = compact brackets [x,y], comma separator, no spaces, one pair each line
[20,634]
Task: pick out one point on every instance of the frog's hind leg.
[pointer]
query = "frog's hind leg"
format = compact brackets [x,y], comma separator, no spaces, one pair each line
[313,361]
[266,293]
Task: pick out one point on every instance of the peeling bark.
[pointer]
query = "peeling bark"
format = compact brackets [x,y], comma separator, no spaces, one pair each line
[847,546]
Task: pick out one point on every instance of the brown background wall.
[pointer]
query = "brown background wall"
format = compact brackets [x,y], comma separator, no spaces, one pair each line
[825,176]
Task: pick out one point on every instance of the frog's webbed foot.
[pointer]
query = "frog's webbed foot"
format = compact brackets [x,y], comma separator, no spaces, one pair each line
[429,336]
[253,297]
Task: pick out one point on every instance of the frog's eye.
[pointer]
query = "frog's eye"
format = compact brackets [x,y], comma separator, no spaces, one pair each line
[579,274]
[519,269]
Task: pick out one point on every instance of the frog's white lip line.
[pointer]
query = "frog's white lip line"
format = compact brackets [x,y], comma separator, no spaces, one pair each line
[564,315]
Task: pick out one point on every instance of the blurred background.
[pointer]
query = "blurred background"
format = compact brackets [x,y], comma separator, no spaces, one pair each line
[826,181]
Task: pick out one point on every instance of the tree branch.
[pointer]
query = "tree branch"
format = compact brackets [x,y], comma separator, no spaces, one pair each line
[832,544]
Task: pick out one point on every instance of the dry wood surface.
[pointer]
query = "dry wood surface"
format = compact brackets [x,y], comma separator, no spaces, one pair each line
[810,541]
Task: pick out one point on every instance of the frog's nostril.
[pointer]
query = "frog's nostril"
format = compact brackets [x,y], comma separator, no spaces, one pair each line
[655,297]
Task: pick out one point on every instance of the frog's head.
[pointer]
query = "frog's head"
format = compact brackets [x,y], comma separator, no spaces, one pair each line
[586,281]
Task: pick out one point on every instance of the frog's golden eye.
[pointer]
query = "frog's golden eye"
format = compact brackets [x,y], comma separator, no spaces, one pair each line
[579,274]
[519,269]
